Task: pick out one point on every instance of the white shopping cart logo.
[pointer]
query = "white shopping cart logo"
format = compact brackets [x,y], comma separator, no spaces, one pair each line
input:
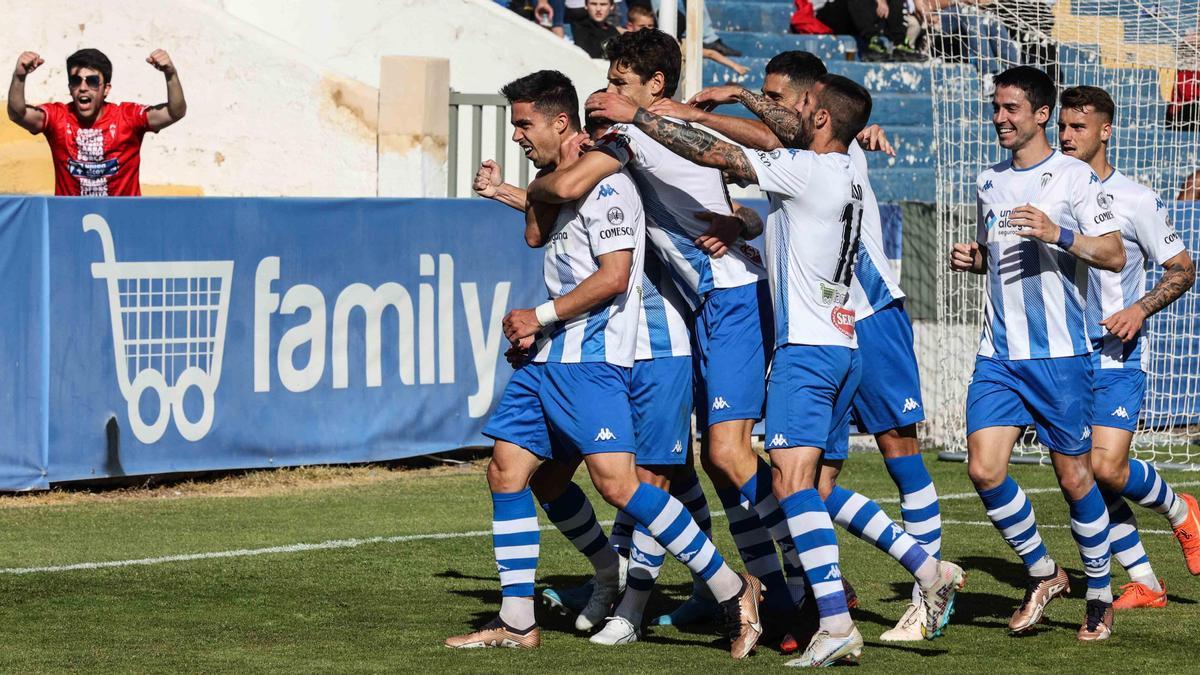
[168,324]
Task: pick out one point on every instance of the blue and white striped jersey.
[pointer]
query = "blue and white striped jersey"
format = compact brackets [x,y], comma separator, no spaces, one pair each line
[812,238]
[673,191]
[1035,291]
[607,219]
[874,285]
[1149,238]
[663,325]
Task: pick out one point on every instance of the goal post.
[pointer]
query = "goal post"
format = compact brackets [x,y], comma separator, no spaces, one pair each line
[1145,54]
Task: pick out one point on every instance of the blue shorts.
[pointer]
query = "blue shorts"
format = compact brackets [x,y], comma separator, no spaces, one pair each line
[731,339]
[1054,395]
[560,410]
[1118,396]
[808,397]
[661,396]
[889,394]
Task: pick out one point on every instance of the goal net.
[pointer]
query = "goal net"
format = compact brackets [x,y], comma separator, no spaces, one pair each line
[1146,54]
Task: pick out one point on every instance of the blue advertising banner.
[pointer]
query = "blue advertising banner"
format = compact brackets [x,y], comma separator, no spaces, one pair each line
[159,335]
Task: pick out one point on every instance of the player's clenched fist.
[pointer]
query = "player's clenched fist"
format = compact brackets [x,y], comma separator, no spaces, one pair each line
[1034,224]
[27,62]
[161,61]
[488,179]
[520,323]
[963,257]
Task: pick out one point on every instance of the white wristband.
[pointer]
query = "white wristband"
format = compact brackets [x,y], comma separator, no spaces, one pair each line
[545,313]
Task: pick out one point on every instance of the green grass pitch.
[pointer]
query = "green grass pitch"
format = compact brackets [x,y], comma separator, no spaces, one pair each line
[386,606]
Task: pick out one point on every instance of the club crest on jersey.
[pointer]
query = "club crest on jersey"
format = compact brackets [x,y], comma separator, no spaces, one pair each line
[1104,201]
[775,154]
[843,320]
[1047,176]
[606,190]
[616,216]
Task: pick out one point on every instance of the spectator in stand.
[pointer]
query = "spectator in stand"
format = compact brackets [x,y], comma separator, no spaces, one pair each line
[1184,110]
[641,18]
[1191,188]
[875,23]
[711,39]
[970,35]
[805,22]
[592,32]
[95,145]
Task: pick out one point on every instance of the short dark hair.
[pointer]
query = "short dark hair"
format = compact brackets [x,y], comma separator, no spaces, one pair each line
[802,68]
[646,52]
[549,91]
[848,103]
[1036,84]
[93,59]
[1083,96]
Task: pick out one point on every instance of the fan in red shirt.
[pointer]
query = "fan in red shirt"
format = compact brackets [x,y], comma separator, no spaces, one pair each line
[96,145]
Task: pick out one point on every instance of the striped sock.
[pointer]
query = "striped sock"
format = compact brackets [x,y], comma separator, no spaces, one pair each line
[686,488]
[919,509]
[1126,543]
[622,533]
[809,523]
[668,522]
[515,541]
[1148,488]
[1089,526]
[572,514]
[864,519]
[756,549]
[645,562]
[758,492]
[1010,511]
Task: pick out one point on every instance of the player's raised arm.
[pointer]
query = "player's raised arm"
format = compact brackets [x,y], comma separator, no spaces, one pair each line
[164,115]
[574,181]
[747,132]
[28,118]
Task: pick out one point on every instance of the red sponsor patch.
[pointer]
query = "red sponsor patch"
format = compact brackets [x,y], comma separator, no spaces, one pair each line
[843,320]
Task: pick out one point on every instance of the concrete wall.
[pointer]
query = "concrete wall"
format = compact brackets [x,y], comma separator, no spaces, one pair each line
[486,44]
[264,118]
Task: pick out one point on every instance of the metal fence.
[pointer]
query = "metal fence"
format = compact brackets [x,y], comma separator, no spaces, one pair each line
[479,125]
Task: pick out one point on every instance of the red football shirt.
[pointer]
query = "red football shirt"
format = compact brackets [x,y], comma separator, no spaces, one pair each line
[99,160]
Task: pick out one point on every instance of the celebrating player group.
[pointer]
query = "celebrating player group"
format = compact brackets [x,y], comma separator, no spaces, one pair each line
[659,308]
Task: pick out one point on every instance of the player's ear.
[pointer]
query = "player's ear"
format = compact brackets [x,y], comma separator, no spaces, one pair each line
[1042,115]
[658,83]
[107,88]
[561,122]
[1106,131]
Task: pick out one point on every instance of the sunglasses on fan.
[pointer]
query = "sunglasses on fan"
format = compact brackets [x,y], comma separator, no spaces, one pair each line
[93,81]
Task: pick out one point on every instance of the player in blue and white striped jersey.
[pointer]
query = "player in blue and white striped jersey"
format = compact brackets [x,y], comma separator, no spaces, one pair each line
[1118,305]
[1043,220]
[576,398]
[888,402]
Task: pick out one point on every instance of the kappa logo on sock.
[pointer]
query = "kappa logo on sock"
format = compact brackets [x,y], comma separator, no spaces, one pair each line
[1120,412]
[1095,564]
[897,531]
[719,403]
[910,404]
[605,434]
[778,441]
[639,557]
[678,448]
[501,568]
[686,556]
[834,573]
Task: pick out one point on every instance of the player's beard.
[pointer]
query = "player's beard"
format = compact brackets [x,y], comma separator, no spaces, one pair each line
[806,132]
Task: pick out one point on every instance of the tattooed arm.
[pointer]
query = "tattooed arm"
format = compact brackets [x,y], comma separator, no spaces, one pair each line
[698,146]
[1179,273]
[783,122]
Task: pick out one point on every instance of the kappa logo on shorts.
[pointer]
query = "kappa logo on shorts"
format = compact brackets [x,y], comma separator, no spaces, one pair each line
[910,404]
[605,434]
[1120,412]
[834,573]
[719,403]
[1087,433]
[678,448]
[778,441]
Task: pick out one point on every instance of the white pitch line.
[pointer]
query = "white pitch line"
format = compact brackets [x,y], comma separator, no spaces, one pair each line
[332,544]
